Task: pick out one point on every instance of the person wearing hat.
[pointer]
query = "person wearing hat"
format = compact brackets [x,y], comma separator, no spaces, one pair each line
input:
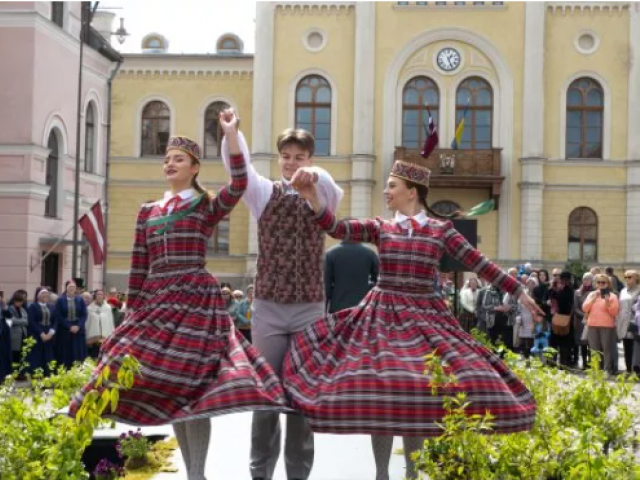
[289,288]
[562,297]
[193,363]
[42,328]
[361,370]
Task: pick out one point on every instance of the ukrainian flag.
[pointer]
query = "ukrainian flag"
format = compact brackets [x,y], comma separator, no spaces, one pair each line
[457,139]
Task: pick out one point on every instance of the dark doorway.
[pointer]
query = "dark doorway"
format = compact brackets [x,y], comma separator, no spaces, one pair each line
[50,270]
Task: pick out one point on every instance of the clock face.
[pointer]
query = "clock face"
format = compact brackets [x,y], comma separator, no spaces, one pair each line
[448,59]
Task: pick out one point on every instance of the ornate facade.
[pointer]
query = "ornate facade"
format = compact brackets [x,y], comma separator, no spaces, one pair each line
[549,92]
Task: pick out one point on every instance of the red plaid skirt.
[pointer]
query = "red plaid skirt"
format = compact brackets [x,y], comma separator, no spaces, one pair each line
[194,363]
[362,370]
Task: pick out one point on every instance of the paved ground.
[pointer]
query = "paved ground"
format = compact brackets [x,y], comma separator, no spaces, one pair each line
[338,457]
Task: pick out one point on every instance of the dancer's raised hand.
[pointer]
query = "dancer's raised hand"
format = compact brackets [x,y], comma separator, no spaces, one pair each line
[229,121]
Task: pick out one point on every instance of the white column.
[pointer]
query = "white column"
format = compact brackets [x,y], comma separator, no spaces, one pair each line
[533,86]
[364,74]
[633,122]
[633,211]
[531,201]
[362,157]
[261,129]
[532,184]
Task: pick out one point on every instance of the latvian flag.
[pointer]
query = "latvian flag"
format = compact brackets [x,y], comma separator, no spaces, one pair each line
[92,225]
[431,141]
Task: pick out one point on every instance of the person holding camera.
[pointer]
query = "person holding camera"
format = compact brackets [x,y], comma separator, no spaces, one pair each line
[602,307]
[625,324]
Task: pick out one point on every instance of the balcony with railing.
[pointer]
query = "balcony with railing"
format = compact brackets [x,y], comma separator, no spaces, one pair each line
[460,168]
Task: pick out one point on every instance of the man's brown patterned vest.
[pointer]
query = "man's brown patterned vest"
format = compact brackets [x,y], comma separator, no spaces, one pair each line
[290,251]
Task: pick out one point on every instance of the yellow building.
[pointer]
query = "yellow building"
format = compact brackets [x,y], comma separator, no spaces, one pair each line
[549,92]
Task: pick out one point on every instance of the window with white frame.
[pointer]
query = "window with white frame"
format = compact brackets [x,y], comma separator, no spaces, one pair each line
[583,235]
[219,241]
[474,102]
[419,97]
[313,111]
[156,127]
[585,114]
[90,140]
[213,133]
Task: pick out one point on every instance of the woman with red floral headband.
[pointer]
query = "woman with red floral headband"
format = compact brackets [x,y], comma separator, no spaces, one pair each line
[194,364]
[361,370]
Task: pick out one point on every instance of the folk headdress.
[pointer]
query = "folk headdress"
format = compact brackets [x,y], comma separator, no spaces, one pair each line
[186,145]
[412,172]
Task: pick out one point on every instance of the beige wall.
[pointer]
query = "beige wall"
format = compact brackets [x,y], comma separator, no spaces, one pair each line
[565,186]
[135,180]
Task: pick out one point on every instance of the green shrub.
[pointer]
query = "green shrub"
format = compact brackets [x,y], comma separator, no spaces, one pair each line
[39,444]
[584,430]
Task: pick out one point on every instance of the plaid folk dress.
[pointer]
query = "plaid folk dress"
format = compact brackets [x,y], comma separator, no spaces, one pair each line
[362,370]
[193,361]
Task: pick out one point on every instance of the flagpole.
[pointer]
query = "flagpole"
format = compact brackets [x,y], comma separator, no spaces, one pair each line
[50,251]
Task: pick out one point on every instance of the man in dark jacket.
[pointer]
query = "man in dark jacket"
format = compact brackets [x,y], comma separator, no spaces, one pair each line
[5,340]
[351,269]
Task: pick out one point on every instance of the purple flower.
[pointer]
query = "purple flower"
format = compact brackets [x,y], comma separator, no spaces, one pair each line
[108,470]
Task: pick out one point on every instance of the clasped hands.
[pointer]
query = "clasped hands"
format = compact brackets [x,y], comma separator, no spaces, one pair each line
[304,181]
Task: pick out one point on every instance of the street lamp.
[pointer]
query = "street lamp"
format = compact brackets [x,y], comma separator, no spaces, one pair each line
[121,32]
[88,9]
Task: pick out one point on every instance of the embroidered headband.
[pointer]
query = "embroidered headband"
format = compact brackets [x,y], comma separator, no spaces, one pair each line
[412,172]
[186,145]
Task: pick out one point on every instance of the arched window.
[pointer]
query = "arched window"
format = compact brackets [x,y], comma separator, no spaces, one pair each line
[156,126]
[313,110]
[417,94]
[476,94]
[51,203]
[229,44]
[219,240]
[585,112]
[445,207]
[89,140]
[212,131]
[583,235]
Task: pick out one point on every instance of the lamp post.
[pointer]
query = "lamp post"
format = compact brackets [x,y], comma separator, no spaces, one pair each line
[87,11]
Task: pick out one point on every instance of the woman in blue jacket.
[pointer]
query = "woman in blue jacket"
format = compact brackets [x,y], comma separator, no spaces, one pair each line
[5,341]
[71,314]
[42,328]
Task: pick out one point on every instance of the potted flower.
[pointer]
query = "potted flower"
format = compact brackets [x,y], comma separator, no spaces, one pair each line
[134,447]
[108,471]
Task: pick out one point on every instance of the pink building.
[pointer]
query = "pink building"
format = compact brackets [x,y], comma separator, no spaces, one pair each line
[39,58]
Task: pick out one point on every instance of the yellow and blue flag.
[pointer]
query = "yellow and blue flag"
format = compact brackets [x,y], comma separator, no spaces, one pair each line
[457,139]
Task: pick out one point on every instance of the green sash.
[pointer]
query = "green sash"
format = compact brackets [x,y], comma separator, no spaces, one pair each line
[169,220]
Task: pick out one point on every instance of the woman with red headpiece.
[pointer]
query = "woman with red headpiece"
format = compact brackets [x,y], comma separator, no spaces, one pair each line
[361,370]
[194,364]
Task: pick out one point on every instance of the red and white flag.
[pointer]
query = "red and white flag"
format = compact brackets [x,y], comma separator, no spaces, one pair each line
[92,225]
[431,140]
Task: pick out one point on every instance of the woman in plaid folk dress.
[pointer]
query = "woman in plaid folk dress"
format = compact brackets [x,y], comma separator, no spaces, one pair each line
[194,364]
[361,370]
